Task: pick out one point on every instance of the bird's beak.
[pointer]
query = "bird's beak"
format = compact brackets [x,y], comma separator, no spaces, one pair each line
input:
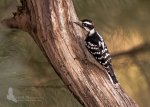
[79,24]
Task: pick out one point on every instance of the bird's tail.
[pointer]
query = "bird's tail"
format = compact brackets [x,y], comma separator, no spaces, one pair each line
[112,75]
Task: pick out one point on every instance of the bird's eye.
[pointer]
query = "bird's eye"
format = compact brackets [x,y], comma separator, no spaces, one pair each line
[85,24]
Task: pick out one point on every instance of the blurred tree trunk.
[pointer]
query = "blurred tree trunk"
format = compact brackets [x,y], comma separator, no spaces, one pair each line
[49,22]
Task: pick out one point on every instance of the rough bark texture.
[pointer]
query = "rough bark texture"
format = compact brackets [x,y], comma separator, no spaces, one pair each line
[49,22]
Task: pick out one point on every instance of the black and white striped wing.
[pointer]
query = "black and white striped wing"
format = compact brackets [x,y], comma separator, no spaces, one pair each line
[101,54]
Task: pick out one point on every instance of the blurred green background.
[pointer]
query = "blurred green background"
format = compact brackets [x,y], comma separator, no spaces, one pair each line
[124,25]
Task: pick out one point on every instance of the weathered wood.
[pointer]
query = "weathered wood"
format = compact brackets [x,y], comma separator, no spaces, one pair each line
[49,22]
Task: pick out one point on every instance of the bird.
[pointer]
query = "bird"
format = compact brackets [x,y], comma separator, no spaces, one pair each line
[97,47]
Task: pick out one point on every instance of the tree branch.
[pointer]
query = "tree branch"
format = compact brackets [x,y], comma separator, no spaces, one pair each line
[49,22]
[139,49]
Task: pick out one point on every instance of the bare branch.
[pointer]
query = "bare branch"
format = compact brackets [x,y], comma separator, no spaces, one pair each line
[136,50]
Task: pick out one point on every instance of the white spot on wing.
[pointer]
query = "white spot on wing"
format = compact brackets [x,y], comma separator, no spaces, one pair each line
[105,63]
[106,55]
[102,45]
[103,51]
[100,58]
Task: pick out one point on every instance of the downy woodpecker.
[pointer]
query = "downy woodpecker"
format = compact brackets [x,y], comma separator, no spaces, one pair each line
[97,47]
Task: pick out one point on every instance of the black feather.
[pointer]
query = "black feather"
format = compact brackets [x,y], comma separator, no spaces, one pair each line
[100,53]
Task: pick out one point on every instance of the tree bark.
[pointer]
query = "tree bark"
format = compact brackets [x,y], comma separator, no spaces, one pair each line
[49,22]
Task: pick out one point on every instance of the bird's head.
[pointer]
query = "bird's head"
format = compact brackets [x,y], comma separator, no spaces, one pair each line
[86,24]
